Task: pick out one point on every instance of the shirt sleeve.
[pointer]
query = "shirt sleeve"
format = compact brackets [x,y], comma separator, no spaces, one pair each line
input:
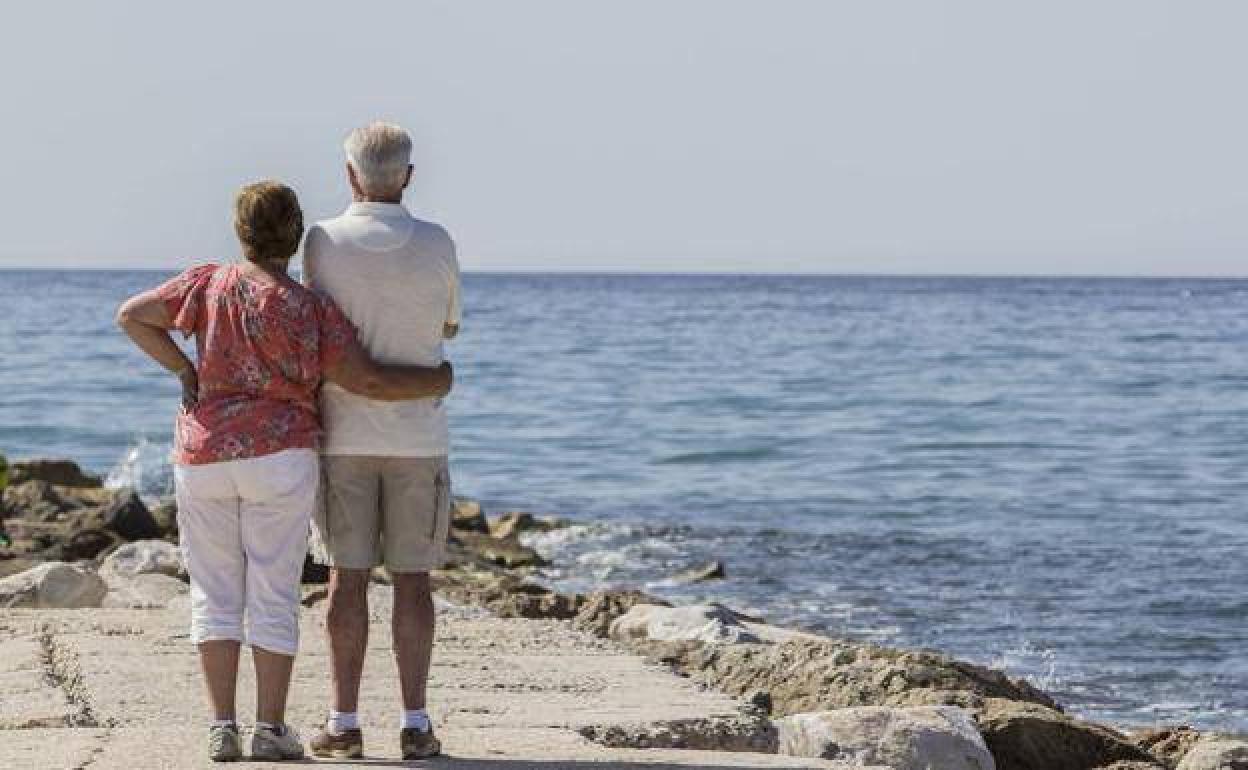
[454,308]
[337,333]
[184,297]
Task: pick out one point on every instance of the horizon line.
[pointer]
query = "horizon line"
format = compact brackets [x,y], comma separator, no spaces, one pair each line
[621,272]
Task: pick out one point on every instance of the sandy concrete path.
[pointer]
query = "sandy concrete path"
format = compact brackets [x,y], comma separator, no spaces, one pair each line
[106,689]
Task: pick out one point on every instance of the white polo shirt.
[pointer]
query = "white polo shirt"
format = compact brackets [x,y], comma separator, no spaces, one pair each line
[397,278]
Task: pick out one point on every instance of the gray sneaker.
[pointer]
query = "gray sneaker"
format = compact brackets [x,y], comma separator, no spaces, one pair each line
[224,745]
[272,745]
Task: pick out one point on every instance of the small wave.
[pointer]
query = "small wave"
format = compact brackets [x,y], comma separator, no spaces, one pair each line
[959,446]
[719,456]
[1038,665]
[1157,337]
[146,468]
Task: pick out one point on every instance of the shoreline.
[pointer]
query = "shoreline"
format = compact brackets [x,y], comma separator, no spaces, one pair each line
[792,679]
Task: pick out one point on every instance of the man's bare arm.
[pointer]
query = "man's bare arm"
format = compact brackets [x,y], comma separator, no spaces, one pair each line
[357,372]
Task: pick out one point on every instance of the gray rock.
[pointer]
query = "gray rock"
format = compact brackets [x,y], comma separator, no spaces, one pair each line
[707,623]
[54,585]
[89,544]
[144,557]
[151,590]
[916,738]
[1214,753]
[65,473]
[126,515]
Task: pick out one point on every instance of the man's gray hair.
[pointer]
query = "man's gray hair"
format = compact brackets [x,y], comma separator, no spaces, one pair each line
[380,154]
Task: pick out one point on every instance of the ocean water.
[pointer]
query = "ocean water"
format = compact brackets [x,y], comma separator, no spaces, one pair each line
[1050,475]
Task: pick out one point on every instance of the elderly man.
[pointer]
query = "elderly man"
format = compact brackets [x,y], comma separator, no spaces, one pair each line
[386,490]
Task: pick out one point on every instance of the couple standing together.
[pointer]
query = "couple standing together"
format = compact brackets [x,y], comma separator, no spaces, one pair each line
[317,403]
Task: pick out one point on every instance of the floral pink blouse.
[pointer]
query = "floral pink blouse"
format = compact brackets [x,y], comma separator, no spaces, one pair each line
[262,349]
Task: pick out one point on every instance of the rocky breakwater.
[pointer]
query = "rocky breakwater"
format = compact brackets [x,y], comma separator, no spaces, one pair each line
[810,695]
[68,542]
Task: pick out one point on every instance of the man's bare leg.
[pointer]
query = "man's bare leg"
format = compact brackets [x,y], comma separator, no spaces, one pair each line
[413,626]
[347,625]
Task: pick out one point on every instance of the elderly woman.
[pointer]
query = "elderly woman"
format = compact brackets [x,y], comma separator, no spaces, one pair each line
[246,468]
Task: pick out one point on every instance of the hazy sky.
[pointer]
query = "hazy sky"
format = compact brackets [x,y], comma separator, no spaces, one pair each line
[1065,136]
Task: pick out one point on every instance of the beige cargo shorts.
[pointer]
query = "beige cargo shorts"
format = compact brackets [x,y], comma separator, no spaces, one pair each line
[382,510]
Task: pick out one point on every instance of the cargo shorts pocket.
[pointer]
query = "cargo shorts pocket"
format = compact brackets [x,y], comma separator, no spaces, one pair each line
[439,528]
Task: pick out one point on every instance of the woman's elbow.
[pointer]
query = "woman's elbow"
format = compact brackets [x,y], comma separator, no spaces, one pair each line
[123,316]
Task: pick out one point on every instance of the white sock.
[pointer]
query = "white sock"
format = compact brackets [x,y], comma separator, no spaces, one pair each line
[417,718]
[223,723]
[341,721]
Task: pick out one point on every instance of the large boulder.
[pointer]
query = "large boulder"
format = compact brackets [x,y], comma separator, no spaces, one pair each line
[149,590]
[917,738]
[65,473]
[467,515]
[805,673]
[1216,753]
[127,515]
[601,608]
[1028,736]
[53,585]
[706,623]
[144,557]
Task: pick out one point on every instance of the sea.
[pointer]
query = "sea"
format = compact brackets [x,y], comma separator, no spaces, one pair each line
[1049,475]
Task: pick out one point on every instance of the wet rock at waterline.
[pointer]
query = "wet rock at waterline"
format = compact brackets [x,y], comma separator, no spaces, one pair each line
[1028,736]
[710,571]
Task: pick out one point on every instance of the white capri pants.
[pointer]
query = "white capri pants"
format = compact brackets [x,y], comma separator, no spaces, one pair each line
[243,526]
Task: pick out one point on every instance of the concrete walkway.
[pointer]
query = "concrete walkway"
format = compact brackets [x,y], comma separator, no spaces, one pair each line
[106,689]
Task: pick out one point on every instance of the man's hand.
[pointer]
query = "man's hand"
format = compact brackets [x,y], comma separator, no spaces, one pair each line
[190,387]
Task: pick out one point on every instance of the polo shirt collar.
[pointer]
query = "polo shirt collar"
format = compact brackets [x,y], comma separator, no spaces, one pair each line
[373,209]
